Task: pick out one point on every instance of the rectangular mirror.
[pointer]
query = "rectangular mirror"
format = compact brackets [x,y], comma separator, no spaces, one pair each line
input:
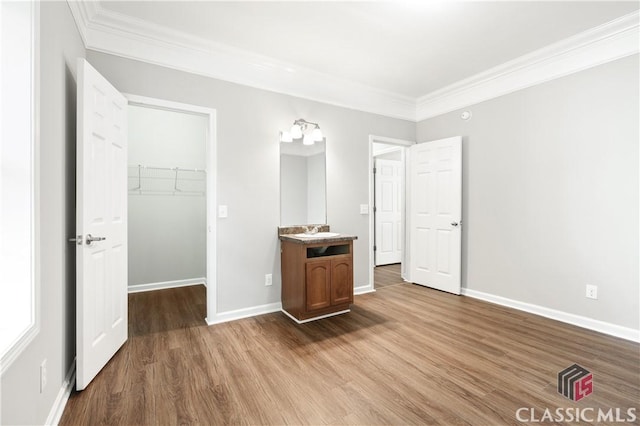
[303,188]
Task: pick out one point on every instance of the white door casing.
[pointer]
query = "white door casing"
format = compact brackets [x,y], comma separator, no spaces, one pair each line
[435,213]
[388,211]
[101,212]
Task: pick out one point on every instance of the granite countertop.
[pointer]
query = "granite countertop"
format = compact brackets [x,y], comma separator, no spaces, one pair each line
[288,233]
[317,240]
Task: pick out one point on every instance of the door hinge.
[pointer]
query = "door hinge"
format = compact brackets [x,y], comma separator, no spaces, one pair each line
[375,248]
[375,170]
[375,209]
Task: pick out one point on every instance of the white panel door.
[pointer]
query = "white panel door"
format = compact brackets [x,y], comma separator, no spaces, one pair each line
[435,213]
[388,213]
[101,223]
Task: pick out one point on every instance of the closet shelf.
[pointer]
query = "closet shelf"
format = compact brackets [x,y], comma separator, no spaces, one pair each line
[153,180]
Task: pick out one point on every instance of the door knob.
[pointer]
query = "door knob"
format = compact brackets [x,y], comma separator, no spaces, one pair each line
[90,238]
[454,223]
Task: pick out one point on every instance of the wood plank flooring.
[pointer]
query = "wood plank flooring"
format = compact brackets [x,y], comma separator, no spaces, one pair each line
[384,276]
[404,355]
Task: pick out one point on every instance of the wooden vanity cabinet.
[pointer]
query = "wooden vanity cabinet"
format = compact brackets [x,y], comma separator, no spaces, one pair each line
[317,279]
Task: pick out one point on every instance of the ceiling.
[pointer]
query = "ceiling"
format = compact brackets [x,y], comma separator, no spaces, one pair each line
[410,48]
[404,59]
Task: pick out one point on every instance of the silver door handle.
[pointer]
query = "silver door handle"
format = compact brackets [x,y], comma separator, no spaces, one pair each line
[89,239]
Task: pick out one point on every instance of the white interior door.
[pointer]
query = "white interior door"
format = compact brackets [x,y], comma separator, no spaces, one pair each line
[101,223]
[388,213]
[435,213]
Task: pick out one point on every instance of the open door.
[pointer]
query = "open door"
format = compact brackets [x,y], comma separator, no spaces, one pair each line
[435,214]
[101,223]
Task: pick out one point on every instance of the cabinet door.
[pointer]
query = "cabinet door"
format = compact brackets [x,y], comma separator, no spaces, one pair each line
[341,281]
[318,285]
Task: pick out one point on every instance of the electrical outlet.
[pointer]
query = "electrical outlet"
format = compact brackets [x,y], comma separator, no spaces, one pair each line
[43,375]
[592,291]
[268,279]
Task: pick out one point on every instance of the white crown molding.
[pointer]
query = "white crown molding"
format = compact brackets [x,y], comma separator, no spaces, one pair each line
[83,12]
[599,45]
[121,35]
[110,32]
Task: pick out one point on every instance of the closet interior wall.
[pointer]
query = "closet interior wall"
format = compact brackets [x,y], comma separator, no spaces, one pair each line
[167,197]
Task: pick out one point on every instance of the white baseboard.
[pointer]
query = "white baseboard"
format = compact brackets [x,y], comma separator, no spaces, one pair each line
[263,309]
[364,289]
[137,288]
[244,313]
[333,314]
[63,396]
[584,322]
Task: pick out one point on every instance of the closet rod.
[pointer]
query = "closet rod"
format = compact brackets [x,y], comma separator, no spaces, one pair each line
[179,169]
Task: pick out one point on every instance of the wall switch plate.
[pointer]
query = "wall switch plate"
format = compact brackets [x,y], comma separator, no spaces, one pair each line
[43,375]
[222,212]
[364,208]
[592,291]
[268,279]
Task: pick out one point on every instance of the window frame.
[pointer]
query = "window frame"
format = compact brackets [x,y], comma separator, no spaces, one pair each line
[24,336]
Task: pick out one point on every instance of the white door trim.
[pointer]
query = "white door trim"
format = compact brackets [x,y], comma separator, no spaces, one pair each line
[210,113]
[390,141]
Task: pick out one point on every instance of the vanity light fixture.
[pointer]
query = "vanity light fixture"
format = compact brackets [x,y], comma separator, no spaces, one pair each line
[308,139]
[309,132]
[286,137]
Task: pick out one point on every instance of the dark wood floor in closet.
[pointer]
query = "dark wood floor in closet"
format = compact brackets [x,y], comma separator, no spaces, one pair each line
[404,355]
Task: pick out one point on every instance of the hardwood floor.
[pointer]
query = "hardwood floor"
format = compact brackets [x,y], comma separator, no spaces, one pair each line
[384,276]
[404,355]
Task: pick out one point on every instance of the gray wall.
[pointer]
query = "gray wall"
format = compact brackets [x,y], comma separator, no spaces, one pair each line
[248,168]
[550,192]
[22,402]
[167,230]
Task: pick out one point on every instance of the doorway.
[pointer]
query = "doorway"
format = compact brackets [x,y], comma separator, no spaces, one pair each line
[170,193]
[387,159]
[388,170]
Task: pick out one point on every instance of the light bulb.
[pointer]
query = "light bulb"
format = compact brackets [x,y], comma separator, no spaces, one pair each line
[308,140]
[285,137]
[317,134]
[296,131]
